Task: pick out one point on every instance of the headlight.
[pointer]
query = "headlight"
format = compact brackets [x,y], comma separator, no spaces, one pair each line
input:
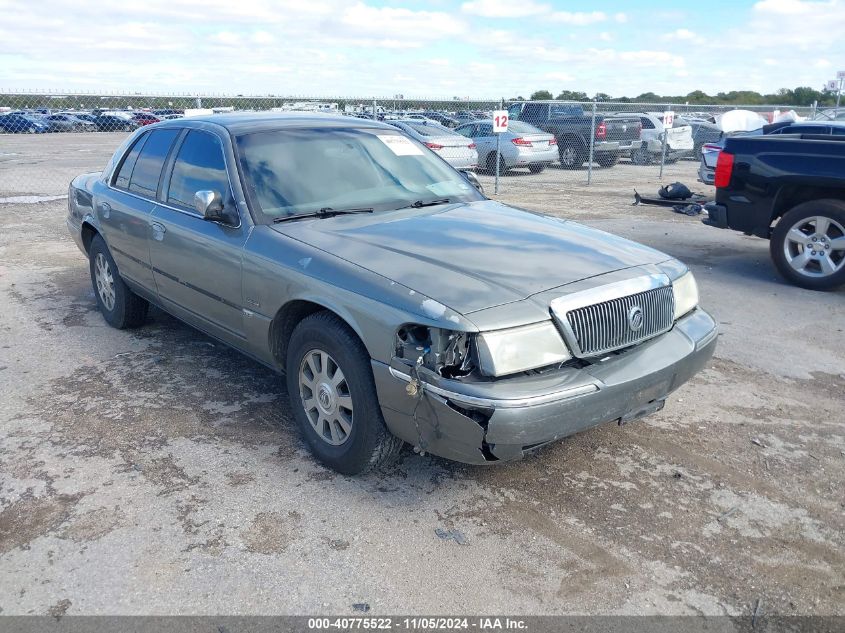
[686,294]
[502,352]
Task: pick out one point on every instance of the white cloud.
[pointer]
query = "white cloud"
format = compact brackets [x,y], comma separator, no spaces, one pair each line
[788,7]
[681,34]
[504,8]
[604,36]
[621,18]
[578,18]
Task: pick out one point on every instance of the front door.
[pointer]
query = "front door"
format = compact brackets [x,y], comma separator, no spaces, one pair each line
[197,263]
[125,216]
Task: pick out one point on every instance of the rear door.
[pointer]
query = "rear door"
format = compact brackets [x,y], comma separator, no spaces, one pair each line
[125,213]
[196,262]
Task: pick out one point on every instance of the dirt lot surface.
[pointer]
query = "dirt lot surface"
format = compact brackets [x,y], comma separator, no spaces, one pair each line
[156,471]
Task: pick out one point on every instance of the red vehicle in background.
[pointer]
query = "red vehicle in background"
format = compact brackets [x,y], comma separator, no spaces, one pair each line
[145,118]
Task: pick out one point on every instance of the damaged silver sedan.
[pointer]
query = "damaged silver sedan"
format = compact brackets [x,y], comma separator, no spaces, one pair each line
[399,302]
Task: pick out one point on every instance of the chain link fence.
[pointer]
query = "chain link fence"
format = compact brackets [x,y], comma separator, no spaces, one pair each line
[46,138]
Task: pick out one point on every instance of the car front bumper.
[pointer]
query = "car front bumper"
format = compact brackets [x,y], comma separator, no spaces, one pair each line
[501,420]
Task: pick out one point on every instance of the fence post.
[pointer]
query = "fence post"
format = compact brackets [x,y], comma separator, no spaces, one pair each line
[498,153]
[375,105]
[665,143]
[592,144]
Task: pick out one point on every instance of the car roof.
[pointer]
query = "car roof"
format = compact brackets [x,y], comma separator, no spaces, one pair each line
[243,122]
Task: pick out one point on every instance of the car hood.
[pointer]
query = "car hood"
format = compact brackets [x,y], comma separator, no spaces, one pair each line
[472,256]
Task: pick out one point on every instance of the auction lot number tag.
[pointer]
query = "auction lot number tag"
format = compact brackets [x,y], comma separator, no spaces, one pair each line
[500,121]
[668,118]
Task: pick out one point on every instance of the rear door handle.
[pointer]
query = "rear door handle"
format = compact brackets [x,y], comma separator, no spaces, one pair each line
[158,231]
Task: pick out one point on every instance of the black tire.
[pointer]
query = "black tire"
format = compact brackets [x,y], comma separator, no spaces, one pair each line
[128,310]
[368,444]
[536,168]
[641,157]
[812,278]
[571,154]
[607,159]
[491,164]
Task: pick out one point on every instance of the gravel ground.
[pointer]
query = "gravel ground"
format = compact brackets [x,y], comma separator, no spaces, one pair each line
[156,471]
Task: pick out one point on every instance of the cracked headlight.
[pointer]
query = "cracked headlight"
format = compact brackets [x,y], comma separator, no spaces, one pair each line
[502,352]
[685,291]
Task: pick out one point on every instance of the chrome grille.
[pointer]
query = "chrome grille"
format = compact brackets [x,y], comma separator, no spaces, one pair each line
[604,327]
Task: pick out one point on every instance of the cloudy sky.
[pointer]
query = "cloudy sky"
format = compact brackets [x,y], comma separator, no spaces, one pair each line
[436,48]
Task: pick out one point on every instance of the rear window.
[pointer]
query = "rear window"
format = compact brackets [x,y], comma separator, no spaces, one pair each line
[430,129]
[558,110]
[125,171]
[147,171]
[521,127]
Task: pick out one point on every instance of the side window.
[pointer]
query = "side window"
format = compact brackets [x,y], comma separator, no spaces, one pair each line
[485,129]
[647,124]
[839,131]
[147,171]
[121,181]
[199,166]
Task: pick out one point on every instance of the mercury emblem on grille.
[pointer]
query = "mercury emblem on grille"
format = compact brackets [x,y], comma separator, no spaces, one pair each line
[635,318]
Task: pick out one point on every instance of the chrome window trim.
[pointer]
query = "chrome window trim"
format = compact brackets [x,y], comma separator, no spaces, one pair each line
[561,306]
[503,403]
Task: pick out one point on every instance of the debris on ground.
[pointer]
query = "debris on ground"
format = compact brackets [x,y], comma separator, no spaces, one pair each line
[688,209]
[455,535]
[361,607]
[725,515]
[757,442]
[675,191]
[664,201]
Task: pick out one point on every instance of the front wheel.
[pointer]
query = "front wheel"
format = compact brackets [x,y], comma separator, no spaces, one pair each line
[808,244]
[120,307]
[333,396]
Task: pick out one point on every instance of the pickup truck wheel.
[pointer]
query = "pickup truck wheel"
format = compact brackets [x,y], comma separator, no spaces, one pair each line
[333,396]
[640,157]
[120,307]
[808,244]
[607,159]
[571,155]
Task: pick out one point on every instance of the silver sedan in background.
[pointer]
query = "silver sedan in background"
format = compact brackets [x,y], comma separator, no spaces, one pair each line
[523,145]
[451,147]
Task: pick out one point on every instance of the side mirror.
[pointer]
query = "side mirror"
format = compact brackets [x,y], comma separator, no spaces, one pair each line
[209,204]
[473,180]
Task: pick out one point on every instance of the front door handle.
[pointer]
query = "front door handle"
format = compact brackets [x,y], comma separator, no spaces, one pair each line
[158,231]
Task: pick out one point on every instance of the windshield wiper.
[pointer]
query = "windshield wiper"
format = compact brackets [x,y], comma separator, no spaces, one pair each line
[325,212]
[419,204]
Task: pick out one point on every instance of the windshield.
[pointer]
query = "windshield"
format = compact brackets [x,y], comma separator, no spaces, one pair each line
[294,171]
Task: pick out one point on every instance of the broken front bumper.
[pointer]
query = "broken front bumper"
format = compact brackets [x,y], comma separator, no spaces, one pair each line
[483,422]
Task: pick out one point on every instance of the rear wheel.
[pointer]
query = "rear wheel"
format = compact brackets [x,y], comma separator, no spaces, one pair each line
[607,159]
[333,396]
[120,307]
[491,164]
[808,244]
[640,157]
[571,155]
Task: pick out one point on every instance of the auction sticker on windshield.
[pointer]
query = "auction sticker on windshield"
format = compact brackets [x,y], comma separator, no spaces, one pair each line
[400,145]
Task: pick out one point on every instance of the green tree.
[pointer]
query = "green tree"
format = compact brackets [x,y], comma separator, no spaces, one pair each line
[572,95]
[541,95]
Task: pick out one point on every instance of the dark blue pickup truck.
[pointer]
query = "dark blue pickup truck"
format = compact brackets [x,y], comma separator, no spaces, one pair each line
[789,189]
